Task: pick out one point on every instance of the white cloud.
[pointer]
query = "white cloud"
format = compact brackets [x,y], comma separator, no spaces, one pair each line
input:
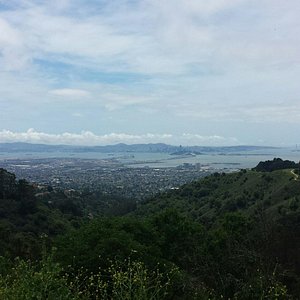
[211,61]
[89,138]
[154,37]
[261,113]
[209,139]
[117,100]
[73,93]
[13,55]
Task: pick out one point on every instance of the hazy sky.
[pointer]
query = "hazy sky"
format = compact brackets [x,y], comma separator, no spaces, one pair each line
[217,72]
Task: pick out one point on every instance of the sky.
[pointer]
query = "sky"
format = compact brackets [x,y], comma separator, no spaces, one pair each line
[190,72]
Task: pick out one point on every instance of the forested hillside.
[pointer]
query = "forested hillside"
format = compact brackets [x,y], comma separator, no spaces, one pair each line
[28,211]
[276,164]
[276,194]
[227,236]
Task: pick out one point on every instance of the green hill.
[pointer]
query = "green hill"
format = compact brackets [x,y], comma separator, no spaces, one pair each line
[276,164]
[28,212]
[277,193]
[24,218]
[226,236]
[254,217]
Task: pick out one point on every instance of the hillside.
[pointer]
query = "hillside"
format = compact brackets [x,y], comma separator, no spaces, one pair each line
[251,215]
[226,236]
[226,231]
[276,164]
[25,218]
[277,193]
[28,212]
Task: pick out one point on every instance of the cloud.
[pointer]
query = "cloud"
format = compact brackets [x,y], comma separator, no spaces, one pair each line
[262,114]
[89,138]
[117,100]
[210,139]
[281,113]
[182,62]
[77,115]
[73,93]
[154,37]
[13,55]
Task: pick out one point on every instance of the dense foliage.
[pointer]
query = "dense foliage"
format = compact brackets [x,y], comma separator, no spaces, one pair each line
[24,218]
[27,212]
[276,164]
[226,236]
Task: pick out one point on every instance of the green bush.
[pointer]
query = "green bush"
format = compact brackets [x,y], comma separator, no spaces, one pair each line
[35,281]
[127,280]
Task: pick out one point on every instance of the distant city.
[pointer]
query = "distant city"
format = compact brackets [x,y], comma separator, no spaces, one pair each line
[137,171]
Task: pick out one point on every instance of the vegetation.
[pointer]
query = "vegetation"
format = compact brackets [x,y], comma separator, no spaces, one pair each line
[276,164]
[26,213]
[48,280]
[230,236]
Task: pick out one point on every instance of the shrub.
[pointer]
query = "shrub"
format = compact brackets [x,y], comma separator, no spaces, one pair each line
[127,280]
